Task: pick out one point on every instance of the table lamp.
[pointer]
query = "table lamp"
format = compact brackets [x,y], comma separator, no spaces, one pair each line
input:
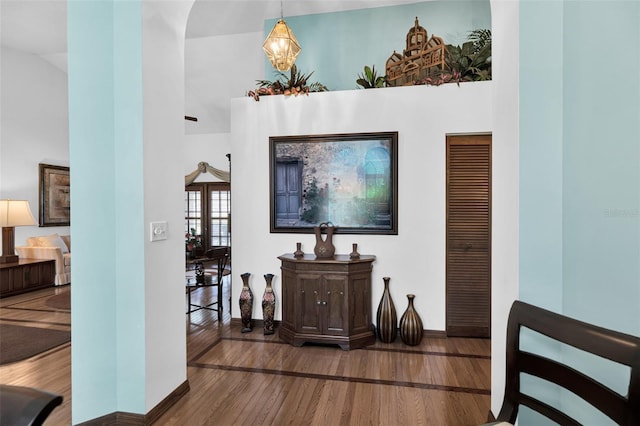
[13,213]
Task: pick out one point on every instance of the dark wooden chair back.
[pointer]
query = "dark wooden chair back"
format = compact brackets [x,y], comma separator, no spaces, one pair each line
[216,259]
[612,345]
[21,405]
[217,252]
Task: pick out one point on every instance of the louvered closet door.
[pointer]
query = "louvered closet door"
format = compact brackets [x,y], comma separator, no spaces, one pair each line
[468,266]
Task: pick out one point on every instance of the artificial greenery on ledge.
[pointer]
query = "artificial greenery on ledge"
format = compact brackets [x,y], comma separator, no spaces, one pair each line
[469,62]
[294,83]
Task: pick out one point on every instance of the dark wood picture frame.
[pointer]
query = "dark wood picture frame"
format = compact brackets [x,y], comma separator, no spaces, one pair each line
[54,195]
[349,179]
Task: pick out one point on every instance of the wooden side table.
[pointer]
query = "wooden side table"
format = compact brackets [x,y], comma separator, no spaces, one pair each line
[26,275]
[327,300]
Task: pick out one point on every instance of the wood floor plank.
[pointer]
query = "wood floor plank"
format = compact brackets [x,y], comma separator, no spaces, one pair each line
[251,379]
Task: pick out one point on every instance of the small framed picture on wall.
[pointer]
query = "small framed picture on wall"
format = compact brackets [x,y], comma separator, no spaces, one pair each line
[54,195]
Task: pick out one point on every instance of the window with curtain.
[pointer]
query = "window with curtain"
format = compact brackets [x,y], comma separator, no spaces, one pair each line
[208,212]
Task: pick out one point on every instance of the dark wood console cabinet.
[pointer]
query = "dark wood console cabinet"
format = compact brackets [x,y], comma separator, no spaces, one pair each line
[26,275]
[327,301]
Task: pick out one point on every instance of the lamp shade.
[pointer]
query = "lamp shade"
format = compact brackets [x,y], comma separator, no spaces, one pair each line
[281,46]
[15,213]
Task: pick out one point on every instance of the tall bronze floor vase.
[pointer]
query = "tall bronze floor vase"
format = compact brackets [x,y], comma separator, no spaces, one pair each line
[268,305]
[411,325]
[246,303]
[386,318]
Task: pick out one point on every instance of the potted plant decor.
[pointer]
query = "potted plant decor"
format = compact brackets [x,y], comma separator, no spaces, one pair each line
[192,242]
[370,79]
[295,83]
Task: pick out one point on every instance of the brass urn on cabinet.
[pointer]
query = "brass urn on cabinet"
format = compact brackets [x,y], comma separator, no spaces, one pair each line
[324,249]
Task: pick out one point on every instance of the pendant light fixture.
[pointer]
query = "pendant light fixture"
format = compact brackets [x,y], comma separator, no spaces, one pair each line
[281,46]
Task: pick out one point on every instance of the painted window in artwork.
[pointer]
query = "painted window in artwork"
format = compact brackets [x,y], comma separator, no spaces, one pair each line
[377,165]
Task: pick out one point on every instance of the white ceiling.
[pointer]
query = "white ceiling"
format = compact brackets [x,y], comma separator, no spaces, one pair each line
[39,27]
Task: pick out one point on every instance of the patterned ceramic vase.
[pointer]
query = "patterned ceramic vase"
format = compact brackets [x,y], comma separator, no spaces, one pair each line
[386,318]
[268,305]
[411,325]
[246,303]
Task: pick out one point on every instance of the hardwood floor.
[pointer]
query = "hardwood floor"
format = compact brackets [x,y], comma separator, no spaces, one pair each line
[252,379]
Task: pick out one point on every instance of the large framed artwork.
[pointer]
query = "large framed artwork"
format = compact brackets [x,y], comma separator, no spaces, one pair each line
[55,195]
[350,180]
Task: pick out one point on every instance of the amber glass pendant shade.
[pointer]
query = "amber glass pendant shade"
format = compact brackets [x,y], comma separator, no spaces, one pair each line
[281,46]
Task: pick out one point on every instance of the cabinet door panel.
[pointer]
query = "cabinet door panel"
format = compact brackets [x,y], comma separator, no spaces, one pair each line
[18,279]
[360,303]
[309,294]
[6,280]
[32,275]
[336,307]
[289,300]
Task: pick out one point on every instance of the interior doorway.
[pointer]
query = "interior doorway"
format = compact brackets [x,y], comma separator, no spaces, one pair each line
[207,211]
[468,236]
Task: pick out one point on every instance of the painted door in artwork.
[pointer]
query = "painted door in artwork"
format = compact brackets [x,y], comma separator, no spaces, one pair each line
[288,191]
[468,228]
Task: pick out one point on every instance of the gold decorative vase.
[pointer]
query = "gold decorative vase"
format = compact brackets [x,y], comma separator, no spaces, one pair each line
[411,325]
[386,317]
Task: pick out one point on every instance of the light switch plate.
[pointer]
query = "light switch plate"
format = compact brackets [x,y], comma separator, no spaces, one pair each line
[158,231]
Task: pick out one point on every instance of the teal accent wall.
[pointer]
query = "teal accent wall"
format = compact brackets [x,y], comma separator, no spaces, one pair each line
[602,162]
[540,164]
[129,213]
[541,195]
[336,46]
[105,128]
[580,174]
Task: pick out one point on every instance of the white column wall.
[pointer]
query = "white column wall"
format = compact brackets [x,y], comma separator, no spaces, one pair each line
[505,226]
[126,97]
[423,116]
[163,44]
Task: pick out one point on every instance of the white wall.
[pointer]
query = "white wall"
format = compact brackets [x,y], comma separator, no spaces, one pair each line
[163,46]
[207,96]
[505,232]
[422,115]
[33,129]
